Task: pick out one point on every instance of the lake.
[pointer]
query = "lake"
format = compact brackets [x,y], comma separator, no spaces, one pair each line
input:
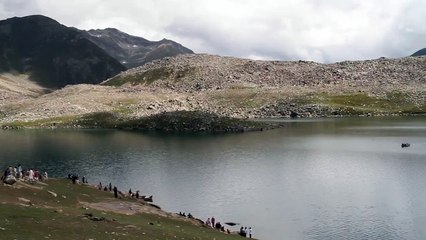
[313,179]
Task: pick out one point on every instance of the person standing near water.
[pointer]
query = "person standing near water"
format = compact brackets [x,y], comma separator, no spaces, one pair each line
[115,192]
[249,232]
[31,175]
[19,171]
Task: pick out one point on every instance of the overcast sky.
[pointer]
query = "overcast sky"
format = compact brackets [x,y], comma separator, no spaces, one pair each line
[318,30]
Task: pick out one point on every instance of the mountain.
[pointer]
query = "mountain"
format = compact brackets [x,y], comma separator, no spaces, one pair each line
[421,52]
[187,91]
[133,51]
[245,88]
[52,54]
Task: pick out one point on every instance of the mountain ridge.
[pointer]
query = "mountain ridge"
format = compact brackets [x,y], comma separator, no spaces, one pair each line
[133,51]
[421,52]
[51,53]
[54,55]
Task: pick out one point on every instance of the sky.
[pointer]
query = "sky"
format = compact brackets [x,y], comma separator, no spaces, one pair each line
[312,30]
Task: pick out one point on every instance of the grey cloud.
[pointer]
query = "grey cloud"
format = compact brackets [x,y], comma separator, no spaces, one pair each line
[12,8]
[319,30]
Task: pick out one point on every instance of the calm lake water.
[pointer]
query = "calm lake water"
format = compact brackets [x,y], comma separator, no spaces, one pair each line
[314,179]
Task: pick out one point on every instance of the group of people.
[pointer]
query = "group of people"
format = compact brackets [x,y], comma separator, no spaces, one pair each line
[17,172]
[75,179]
[244,232]
[217,225]
[117,193]
[109,188]
[134,194]
[184,215]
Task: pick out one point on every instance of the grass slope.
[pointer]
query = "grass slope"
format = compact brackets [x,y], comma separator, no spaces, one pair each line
[34,213]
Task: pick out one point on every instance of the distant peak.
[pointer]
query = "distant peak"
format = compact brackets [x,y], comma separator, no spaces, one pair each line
[35,18]
[164,40]
[421,52]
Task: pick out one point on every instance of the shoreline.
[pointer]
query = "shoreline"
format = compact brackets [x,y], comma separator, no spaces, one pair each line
[257,124]
[86,202]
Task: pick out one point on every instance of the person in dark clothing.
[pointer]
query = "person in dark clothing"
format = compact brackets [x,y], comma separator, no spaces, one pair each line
[242,232]
[110,187]
[74,179]
[115,192]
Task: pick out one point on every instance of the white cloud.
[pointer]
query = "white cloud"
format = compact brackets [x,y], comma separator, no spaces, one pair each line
[319,30]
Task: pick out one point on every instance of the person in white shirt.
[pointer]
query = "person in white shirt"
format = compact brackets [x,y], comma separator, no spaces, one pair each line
[31,175]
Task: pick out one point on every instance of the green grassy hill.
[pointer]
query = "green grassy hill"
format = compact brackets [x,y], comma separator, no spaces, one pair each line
[59,209]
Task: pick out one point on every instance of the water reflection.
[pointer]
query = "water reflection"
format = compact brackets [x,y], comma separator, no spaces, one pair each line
[331,179]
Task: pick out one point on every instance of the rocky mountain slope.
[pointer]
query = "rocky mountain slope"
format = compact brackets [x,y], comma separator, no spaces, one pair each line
[133,51]
[15,87]
[231,87]
[421,52]
[246,88]
[52,54]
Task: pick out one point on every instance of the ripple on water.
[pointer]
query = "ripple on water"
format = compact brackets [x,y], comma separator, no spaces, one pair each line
[364,224]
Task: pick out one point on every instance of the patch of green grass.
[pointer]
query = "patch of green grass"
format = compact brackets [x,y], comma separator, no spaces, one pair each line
[50,217]
[124,107]
[45,122]
[98,119]
[146,77]
[360,103]
[149,76]
[91,120]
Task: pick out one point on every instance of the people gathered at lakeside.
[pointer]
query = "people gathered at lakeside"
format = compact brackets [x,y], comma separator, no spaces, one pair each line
[31,175]
[211,222]
[13,174]
[110,188]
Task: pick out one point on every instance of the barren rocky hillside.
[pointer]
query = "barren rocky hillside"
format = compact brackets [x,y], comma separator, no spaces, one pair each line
[193,72]
[15,87]
[246,88]
[236,88]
